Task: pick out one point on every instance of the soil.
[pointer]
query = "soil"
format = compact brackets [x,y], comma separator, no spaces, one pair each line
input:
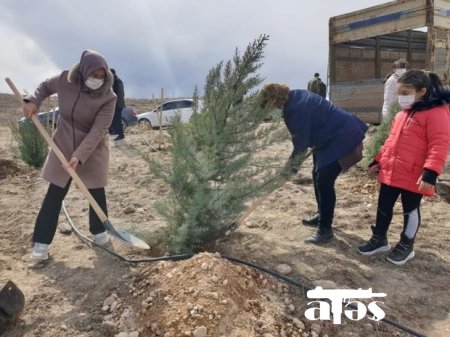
[85,291]
[9,168]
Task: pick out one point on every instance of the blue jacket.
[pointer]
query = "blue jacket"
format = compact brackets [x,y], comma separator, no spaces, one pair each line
[314,122]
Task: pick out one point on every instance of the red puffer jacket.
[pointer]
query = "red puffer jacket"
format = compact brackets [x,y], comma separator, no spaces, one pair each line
[417,141]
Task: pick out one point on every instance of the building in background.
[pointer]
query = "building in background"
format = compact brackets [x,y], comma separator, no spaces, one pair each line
[365,43]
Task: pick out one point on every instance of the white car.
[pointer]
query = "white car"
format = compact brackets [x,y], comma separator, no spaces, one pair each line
[182,107]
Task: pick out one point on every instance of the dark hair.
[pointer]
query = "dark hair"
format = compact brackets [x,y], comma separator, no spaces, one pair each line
[316,75]
[436,94]
[112,70]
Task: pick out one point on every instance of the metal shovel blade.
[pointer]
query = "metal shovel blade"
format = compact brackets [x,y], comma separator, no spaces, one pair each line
[124,236]
[12,302]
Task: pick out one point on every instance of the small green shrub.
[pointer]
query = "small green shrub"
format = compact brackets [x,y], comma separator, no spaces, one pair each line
[379,137]
[33,148]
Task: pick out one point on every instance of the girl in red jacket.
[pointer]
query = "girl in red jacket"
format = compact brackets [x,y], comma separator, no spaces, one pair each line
[410,160]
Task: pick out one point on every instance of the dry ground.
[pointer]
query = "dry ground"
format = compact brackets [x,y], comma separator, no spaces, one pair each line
[66,297]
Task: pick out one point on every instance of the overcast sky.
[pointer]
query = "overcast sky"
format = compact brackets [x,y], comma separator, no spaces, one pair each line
[165,43]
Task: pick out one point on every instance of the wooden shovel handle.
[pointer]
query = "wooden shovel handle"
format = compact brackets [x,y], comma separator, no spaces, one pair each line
[61,157]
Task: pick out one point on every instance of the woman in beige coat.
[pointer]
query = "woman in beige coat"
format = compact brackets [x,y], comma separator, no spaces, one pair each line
[86,109]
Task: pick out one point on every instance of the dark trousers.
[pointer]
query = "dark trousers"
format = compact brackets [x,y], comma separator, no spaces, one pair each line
[116,125]
[324,179]
[47,219]
[411,210]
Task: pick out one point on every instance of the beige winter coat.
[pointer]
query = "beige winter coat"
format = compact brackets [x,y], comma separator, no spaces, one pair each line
[82,127]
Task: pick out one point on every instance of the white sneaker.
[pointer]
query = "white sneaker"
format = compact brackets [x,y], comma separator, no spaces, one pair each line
[101,239]
[40,251]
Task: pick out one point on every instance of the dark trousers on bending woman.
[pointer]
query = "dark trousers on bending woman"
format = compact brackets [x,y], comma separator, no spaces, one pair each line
[411,211]
[47,219]
[324,180]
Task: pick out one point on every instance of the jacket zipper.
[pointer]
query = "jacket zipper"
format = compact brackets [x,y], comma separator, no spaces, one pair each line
[410,118]
[399,132]
[73,122]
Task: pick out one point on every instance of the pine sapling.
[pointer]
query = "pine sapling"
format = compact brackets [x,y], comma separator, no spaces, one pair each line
[216,164]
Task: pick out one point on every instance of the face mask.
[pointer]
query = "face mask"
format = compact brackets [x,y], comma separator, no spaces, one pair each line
[400,72]
[406,101]
[93,83]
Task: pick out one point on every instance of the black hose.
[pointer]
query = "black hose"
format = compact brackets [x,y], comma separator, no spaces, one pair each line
[120,257]
[232,259]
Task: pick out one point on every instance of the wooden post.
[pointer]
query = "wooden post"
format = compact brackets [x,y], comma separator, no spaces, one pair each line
[409,54]
[161,135]
[47,122]
[52,109]
[431,31]
[378,64]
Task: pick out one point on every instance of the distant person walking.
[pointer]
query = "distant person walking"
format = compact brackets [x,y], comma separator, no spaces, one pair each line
[390,86]
[86,108]
[120,93]
[316,86]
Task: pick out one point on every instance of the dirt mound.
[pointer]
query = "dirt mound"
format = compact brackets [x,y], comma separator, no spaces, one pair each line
[443,189]
[205,296]
[9,168]
[364,183]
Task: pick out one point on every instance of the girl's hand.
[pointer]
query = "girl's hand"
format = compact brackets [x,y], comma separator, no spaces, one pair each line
[374,169]
[424,186]
[73,163]
[30,109]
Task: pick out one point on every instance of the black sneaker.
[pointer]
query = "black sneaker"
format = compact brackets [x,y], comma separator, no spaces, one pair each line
[321,236]
[401,253]
[119,138]
[374,245]
[312,221]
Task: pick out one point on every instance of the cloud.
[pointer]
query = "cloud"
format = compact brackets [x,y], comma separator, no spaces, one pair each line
[170,43]
[23,60]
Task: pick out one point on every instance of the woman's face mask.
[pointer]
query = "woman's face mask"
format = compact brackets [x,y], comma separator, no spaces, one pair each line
[406,101]
[94,83]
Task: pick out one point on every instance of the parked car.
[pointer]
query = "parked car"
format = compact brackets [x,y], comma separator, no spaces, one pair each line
[129,117]
[169,109]
[46,118]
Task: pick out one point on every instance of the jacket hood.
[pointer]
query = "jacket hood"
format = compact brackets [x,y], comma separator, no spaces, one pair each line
[90,61]
[432,100]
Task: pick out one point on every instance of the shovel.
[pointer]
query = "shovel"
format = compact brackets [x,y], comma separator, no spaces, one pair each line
[12,303]
[120,234]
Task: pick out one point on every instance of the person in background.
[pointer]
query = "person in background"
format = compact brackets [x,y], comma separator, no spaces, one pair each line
[410,160]
[313,84]
[386,77]
[390,86]
[118,89]
[316,86]
[322,89]
[86,106]
[334,135]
